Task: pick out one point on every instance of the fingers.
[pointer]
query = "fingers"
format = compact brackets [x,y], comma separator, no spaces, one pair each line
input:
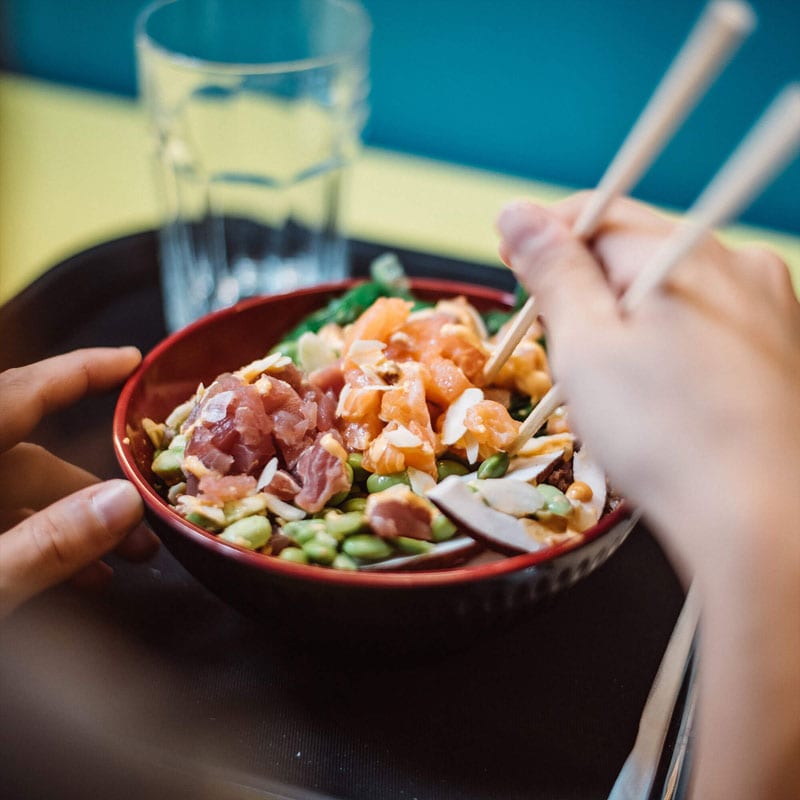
[557,268]
[64,538]
[32,477]
[139,545]
[29,393]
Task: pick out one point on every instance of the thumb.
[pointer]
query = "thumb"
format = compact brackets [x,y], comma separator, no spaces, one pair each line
[55,543]
[567,281]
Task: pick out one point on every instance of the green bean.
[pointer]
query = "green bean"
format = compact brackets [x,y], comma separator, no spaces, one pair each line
[359,473]
[447,467]
[377,483]
[367,547]
[341,525]
[494,467]
[442,528]
[250,532]
[343,561]
[323,537]
[302,531]
[293,554]
[354,504]
[414,547]
[556,502]
[320,552]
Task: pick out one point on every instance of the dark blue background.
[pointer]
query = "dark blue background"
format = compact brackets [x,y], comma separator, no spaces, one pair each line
[545,89]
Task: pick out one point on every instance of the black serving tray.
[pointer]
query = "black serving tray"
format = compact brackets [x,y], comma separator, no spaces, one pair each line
[548,709]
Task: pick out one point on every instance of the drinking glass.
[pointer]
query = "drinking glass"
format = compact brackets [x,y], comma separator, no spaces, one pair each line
[256,110]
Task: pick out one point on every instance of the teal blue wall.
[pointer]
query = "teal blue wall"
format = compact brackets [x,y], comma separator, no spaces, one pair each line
[540,88]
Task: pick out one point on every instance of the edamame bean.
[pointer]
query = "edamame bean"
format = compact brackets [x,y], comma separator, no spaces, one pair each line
[203,521]
[354,504]
[377,483]
[447,467]
[167,465]
[442,528]
[250,532]
[293,554]
[359,473]
[320,552]
[341,525]
[494,467]
[555,501]
[367,547]
[343,561]
[303,530]
[414,547]
[243,507]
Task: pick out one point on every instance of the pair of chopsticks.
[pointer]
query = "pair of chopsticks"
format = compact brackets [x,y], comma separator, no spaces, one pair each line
[768,147]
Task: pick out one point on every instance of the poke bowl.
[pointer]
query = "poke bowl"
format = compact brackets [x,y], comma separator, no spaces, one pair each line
[340,474]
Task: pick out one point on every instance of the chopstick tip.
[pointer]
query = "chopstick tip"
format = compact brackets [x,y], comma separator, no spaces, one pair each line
[737,15]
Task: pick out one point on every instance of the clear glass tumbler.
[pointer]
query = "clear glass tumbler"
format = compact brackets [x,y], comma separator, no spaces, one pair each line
[257,109]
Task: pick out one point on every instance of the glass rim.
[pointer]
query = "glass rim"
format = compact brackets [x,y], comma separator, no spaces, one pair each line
[144,41]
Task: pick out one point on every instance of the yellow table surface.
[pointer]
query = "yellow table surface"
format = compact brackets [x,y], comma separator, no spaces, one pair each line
[75,171]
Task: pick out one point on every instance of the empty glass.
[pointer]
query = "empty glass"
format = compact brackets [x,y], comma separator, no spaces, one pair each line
[257,110]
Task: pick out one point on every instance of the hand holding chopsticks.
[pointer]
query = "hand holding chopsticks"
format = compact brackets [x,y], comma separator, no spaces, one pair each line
[770,145]
[717,34]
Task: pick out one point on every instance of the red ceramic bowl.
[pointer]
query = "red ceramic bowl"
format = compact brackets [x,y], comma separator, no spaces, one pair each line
[314,603]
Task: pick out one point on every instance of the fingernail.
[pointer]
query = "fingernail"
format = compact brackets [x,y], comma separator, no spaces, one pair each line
[521,221]
[117,504]
[130,352]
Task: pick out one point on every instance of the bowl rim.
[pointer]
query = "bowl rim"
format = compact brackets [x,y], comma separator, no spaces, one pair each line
[158,506]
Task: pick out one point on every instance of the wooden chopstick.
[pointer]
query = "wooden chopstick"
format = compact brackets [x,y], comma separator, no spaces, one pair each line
[768,147]
[713,40]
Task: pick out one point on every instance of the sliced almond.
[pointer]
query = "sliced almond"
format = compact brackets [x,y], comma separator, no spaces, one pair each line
[539,445]
[453,427]
[282,509]
[251,371]
[267,474]
[421,481]
[402,437]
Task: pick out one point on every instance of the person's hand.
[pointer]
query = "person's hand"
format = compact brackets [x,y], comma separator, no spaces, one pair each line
[58,519]
[694,396]
[692,403]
